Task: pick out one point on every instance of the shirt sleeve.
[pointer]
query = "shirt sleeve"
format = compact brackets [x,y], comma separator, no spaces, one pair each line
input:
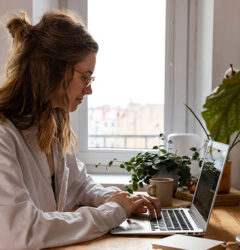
[83,189]
[24,226]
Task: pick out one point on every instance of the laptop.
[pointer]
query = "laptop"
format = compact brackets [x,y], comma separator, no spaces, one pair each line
[193,220]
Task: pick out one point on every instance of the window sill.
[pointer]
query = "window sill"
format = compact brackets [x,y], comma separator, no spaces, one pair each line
[117,180]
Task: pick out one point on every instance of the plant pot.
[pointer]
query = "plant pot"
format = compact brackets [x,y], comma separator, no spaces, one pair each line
[182,144]
[225,183]
[163,172]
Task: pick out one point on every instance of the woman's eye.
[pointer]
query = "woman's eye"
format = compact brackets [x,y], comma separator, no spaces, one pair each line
[85,78]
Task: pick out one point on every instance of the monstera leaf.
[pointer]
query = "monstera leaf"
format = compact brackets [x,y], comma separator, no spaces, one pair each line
[222,109]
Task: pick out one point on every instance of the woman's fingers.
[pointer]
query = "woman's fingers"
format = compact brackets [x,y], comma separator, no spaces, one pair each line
[151,203]
[142,209]
[156,204]
[140,203]
[136,203]
[126,201]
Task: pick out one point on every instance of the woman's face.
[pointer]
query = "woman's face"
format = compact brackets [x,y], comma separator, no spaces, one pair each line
[78,88]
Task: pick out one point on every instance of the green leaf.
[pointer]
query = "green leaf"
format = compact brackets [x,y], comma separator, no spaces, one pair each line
[163,151]
[155,147]
[195,156]
[222,109]
[99,164]
[134,178]
[135,186]
[193,149]
[110,163]
[146,179]
[122,165]
[132,159]
[129,168]
[130,191]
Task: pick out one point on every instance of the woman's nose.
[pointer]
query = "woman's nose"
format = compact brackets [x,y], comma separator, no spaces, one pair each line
[88,90]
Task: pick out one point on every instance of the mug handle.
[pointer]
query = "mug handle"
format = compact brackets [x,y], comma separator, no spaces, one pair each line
[151,190]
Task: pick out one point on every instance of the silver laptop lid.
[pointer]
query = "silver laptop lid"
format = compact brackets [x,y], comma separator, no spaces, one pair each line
[209,180]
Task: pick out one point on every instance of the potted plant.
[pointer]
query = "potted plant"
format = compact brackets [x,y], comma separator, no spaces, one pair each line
[147,164]
[222,117]
[221,110]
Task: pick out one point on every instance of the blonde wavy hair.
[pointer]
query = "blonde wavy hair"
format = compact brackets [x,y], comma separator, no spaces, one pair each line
[40,57]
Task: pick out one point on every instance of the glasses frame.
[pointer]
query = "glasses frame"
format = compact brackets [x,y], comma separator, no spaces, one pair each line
[89,80]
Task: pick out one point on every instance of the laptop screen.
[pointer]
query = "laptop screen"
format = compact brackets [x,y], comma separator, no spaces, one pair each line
[212,168]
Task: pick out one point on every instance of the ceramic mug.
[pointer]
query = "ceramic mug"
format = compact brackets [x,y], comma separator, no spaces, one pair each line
[161,188]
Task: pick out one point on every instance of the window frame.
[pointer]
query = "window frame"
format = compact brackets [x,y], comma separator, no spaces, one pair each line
[176,86]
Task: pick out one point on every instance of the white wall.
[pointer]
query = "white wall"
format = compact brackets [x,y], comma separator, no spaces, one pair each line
[80,7]
[226,38]
[226,50]
[34,10]
[217,45]
[10,7]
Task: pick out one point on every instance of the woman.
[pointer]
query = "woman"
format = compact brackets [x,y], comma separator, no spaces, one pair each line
[48,74]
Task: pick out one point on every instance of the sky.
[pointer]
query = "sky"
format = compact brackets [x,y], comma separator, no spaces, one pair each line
[131,58]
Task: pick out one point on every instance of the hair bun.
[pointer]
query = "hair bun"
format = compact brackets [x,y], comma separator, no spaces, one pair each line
[19,27]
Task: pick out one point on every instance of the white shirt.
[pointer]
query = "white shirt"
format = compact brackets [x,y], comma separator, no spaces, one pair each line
[30,217]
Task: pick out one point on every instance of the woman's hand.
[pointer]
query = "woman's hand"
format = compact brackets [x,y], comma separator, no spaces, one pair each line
[136,203]
[150,203]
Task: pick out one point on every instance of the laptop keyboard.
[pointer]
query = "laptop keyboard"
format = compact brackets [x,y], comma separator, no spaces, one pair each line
[172,220]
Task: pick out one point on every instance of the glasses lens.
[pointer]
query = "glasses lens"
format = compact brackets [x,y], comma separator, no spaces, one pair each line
[89,81]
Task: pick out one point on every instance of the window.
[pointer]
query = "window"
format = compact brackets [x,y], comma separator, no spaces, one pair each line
[175,78]
[129,86]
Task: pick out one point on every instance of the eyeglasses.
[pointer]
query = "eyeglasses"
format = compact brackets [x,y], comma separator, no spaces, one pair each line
[87,79]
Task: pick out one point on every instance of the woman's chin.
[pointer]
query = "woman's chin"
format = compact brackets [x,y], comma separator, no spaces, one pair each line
[73,108]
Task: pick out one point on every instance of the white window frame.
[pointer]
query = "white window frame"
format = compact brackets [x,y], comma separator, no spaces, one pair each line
[176,85]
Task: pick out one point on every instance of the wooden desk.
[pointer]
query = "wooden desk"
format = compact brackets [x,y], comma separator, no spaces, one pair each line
[224,225]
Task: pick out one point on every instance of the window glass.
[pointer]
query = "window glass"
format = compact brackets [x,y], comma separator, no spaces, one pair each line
[126,109]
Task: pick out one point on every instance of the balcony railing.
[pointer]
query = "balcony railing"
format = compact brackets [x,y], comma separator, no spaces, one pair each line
[124,137]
